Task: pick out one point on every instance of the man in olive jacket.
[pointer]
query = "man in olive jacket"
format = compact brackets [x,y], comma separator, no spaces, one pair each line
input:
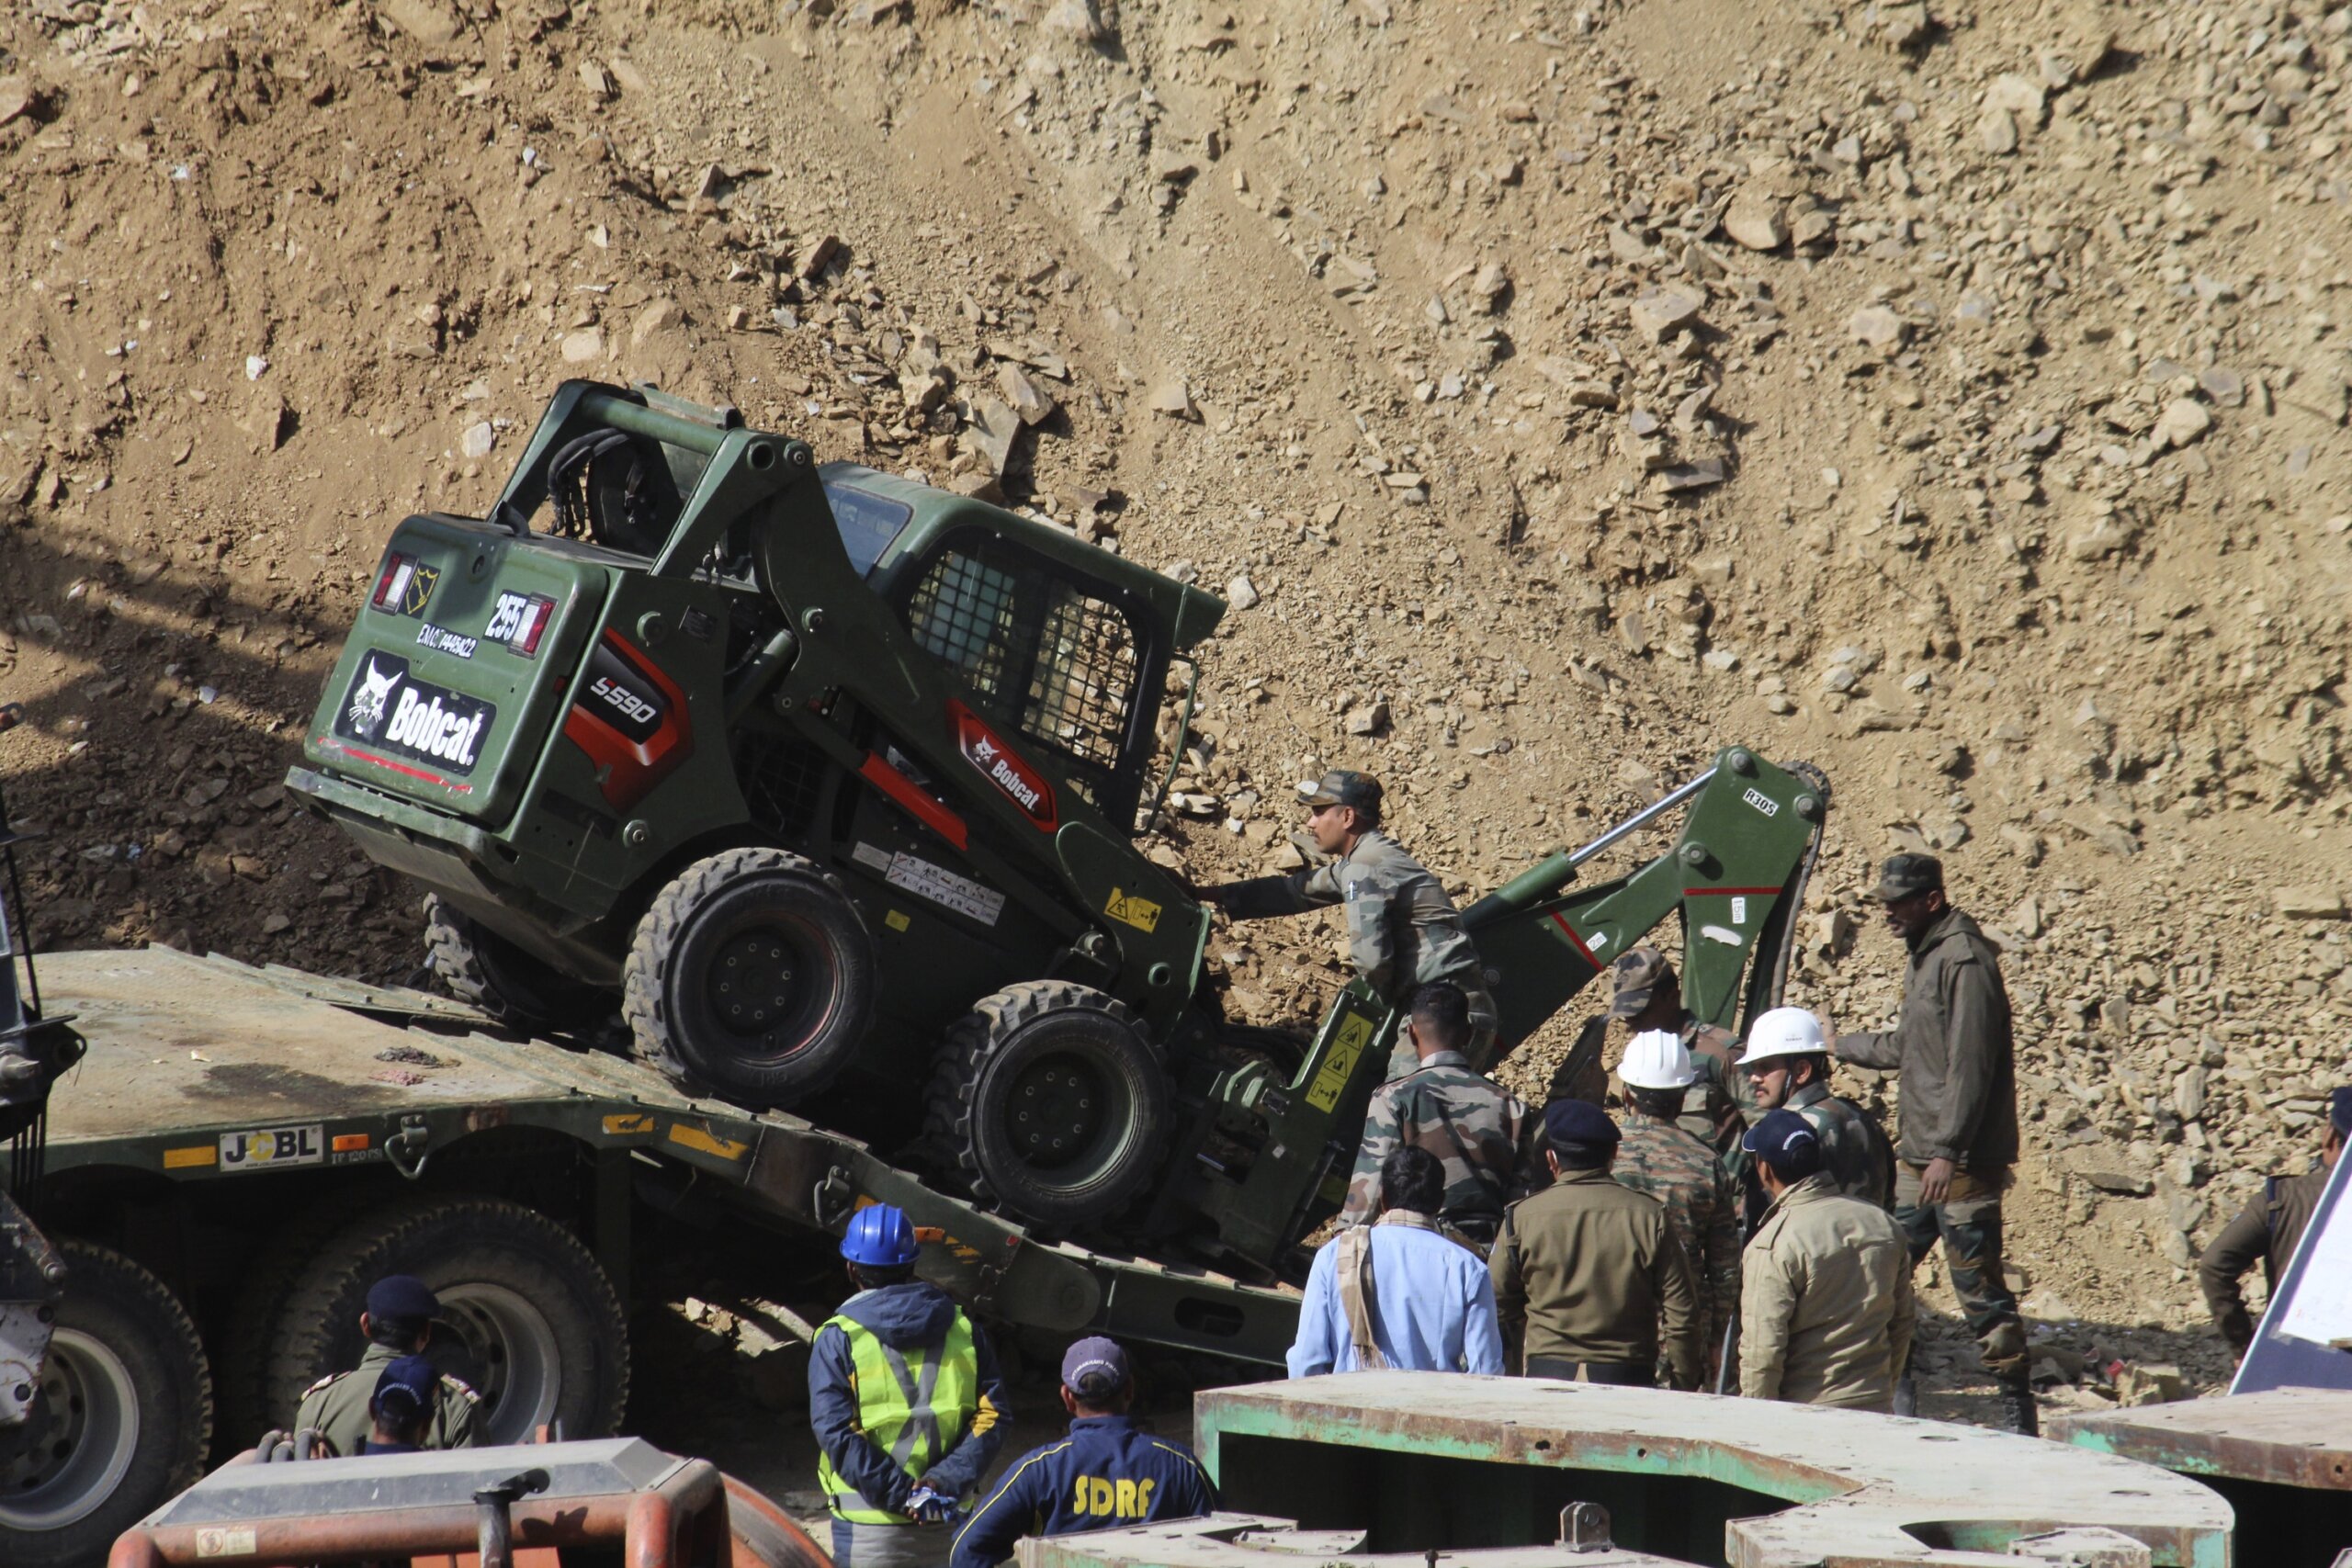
[1825,1304]
[1586,1270]
[1958,1135]
[2267,1231]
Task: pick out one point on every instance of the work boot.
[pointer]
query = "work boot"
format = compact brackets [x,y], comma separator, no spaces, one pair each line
[1906,1394]
[2019,1412]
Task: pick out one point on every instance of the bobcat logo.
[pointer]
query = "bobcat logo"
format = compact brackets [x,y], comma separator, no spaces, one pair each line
[369,697]
[984,750]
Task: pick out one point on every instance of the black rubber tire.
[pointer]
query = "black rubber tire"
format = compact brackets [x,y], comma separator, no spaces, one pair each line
[528,1317]
[1088,1054]
[778,920]
[158,1385]
[523,992]
[248,1341]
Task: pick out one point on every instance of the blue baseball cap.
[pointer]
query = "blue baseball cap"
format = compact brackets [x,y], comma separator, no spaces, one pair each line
[1786,1141]
[2339,1110]
[402,1295]
[1094,1368]
[406,1387]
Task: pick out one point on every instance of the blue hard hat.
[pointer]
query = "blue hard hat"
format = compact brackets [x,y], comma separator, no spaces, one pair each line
[880,1236]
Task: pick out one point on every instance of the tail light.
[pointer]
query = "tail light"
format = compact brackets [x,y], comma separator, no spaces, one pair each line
[536,617]
[393,583]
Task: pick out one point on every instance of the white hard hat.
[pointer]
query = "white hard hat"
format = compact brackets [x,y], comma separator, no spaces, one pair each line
[1657,1058]
[1784,1032]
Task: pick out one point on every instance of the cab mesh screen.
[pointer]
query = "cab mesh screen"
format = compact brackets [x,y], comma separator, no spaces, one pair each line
[1084,675]
[1057,662]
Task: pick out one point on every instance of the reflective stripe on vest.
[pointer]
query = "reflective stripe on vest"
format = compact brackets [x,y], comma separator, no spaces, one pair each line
[914,1407]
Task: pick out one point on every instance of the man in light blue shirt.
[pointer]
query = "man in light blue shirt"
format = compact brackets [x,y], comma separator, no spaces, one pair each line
[1399,1293]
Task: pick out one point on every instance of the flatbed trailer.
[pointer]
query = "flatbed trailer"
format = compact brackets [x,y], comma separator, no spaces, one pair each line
[238,1134]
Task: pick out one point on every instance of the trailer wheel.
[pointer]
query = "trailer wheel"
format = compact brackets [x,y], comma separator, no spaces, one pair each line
[123,1419]
[529,1318]
[752,976]
[246,1345]
[1053,1101]
[525,993]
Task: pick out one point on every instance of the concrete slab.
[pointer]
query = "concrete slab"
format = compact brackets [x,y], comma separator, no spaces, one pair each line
[1854,1489]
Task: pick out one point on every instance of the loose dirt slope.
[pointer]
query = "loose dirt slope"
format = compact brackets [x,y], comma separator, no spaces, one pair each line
[1951,397]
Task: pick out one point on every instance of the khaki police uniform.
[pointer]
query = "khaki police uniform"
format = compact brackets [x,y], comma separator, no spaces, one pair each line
[336,1406]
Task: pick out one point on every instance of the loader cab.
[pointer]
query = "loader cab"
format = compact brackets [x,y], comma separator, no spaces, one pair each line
[1060,641]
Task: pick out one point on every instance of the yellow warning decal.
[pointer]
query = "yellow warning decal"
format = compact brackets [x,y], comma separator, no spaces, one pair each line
[1133,908]
[897,921]
[707,1142]
[183,1159]
[623,1123]
[1355,1033]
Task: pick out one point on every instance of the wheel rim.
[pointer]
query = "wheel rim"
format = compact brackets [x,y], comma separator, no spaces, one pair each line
[1054,1111]
[88,1410]
[770,987]
[513,1359]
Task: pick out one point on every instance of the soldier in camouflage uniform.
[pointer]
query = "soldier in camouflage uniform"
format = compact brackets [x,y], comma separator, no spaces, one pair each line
[1659,1157]
[1490,1147]
[1646,996]
[1403,930]
[1787,1064]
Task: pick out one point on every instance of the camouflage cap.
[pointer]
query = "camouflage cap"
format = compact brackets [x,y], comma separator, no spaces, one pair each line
[1905,875]
[1636,974]
[1343,787]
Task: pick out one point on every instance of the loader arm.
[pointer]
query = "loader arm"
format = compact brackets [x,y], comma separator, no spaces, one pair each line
[1737,875]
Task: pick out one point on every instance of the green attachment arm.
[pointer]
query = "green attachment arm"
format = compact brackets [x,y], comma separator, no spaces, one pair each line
[1736,876]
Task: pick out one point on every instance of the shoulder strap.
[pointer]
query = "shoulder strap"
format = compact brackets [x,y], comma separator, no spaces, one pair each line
[1352,1266]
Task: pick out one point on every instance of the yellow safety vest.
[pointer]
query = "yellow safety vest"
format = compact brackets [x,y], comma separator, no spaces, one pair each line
[914,1406]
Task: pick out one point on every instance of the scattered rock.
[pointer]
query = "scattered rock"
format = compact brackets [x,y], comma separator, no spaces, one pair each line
[993,430]
[2183,422]
[584,347]
[476,441]
[1172,397]
[429,23]
[2128,1183]
[1879,327]
[1028,400]
[1657,311]
[1756,220]
[2310,903]
[656,319]
[17,99]
[1241,593]
[1078,20]
[1700,474]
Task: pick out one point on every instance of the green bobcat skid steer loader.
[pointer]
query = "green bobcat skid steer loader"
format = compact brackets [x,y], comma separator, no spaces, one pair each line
[816,768]
[828,778]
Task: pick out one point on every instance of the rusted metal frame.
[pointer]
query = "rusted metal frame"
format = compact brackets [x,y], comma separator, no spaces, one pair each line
[687,1508]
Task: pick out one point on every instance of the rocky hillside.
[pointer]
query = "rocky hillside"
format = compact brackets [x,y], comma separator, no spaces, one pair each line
[1948,395]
